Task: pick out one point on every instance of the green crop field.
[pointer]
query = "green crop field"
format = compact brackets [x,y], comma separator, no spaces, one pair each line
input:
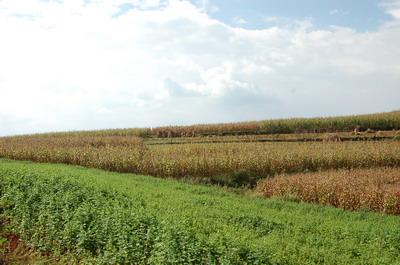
[111,218]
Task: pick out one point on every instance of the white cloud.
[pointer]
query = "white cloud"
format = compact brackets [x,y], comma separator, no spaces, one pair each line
[76,66]
[392,7]
[335,12]
[240,21]
[207,7]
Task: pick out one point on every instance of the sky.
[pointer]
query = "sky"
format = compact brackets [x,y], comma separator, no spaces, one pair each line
[92,64]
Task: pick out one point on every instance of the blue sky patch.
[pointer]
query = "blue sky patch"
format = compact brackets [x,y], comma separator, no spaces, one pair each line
[362,15]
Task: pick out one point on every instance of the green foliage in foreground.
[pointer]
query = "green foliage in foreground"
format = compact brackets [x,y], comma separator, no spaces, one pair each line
[110,218]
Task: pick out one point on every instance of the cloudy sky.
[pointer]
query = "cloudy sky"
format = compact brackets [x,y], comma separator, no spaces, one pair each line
[91,64]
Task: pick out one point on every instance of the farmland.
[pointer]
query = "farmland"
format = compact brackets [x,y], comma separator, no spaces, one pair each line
[380,121]
[200,161]
[374,189]
[103,218]
[292,137]
[242,193]
[387,121]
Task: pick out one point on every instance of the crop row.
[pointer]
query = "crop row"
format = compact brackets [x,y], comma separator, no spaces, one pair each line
[226,163]
[374,189]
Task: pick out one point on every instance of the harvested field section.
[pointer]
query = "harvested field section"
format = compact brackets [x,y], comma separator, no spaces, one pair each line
[376,189]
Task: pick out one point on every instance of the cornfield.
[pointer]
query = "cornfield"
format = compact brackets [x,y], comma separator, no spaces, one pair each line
[292,137]
[375,189]
[200,161]
[380,121]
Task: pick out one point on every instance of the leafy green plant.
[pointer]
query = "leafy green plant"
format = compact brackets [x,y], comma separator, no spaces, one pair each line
[98,217]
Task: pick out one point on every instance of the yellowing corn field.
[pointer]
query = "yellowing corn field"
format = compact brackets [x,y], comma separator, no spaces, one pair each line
[376,189]
[200,161]
[387,121]
[380,121]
